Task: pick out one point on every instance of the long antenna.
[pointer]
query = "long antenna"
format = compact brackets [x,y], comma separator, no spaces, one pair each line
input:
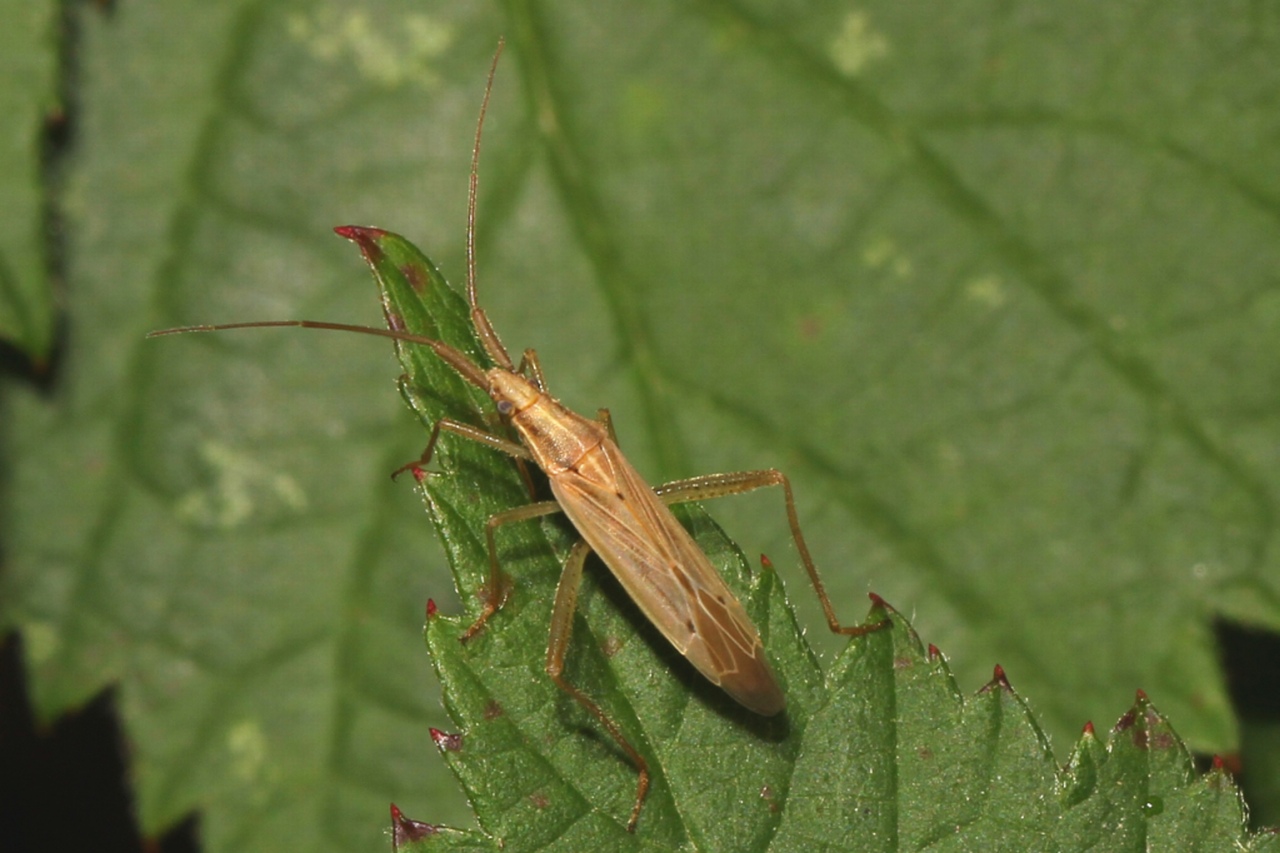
[475,179]
[484,329]
[488,336]
[453,357]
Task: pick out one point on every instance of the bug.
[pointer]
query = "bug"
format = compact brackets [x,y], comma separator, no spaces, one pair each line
[618,515]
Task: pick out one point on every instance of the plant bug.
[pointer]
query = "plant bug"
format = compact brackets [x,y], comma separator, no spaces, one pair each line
[619,517]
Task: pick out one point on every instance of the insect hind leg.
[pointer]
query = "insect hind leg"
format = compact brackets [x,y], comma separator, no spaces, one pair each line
[562,611]
[739,482]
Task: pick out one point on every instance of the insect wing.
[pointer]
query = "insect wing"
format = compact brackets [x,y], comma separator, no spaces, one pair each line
[667,575]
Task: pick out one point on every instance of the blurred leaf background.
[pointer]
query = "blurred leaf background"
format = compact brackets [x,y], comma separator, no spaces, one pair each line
[995,283]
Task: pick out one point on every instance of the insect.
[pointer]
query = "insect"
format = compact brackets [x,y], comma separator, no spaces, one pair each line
[620,518]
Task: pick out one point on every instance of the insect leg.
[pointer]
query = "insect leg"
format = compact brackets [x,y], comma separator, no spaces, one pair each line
[561,632]
[530,366]
[497,588]
[736,483]
[566,602]
[603,417]
[510,448]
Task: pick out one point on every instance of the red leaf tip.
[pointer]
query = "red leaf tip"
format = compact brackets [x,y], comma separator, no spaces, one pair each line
[405,829]
[447,741]
[359,233]
[366,238]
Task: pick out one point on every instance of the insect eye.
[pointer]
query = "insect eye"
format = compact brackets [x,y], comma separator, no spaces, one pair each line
[505,407]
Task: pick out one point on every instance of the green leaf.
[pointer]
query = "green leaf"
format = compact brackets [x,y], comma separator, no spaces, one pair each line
[879,753]
[994,285]
[28,101]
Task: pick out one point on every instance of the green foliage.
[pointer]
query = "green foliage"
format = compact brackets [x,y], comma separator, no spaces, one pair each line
[879,753]
[28,101]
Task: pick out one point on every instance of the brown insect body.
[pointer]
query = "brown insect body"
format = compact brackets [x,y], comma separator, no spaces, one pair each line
[654,558]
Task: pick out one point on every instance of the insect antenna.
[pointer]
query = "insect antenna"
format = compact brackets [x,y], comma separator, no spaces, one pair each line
[488,335]
[454,358]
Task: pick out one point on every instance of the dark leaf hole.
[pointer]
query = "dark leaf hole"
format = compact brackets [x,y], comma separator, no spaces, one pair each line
[1251,659]
[68,783]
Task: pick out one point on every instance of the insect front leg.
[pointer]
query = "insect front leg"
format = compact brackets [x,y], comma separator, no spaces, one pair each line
[498,587]
[558,643]
[739,482]
[510,448]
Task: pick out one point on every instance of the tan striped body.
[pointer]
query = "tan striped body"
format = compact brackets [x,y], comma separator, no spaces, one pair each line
[631,529]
